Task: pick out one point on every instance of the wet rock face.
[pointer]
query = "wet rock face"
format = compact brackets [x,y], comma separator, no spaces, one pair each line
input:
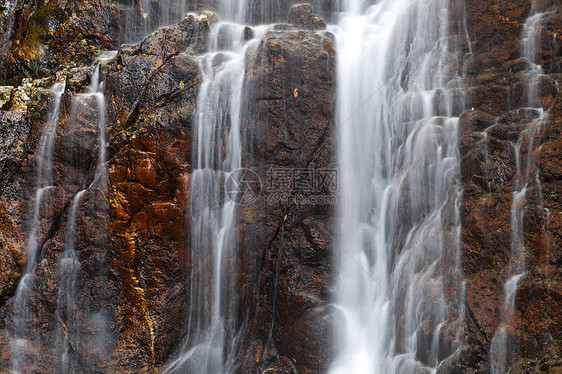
[497,93]
[495,32]
[39,39]
[73,168]
[285,264]
[149,175]
[20,125]
[11,252]
[301,15]
[130,228]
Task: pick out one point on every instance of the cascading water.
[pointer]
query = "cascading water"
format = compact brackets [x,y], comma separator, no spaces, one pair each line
[399,290]
[399,172]
[40,209]
[523,178]
[67,311]
[210,341]
[388,153]
[66,308]
[526,175]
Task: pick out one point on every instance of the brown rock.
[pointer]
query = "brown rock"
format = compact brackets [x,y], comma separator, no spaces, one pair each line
[74,33]
[288,242]
[488,170]
[150,177]
[301,15]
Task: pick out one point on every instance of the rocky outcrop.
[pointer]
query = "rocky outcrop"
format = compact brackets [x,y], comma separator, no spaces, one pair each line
[73,168]
[21,120]
[149,175]
[302,16]
[39,37]
[130,226]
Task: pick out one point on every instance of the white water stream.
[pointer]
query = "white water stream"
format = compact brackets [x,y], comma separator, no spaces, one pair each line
[400,196]
[213,247]
[525,176]
[40,209]
[68,338]
[399,172]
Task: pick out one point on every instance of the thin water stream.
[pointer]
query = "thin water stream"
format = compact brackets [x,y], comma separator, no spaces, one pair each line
[526,175]
[44,155]
[210,344]
[67,309]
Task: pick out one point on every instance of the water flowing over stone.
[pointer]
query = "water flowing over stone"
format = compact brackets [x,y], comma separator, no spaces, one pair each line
[261,11]
[408,213]
[67,316]
[526,175]
[35,237]
[399,246]
[218,144]
[66,307]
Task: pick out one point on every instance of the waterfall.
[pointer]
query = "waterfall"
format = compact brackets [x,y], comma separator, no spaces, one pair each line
[210,343]
[399,101]
[67,310]
[530,49]
[102,285]
[34,242]
[526,175]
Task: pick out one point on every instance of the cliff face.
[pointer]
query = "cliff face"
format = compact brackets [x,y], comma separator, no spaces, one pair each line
[133,232]
[38,37]
[498,89]
[286,266]
[131,227]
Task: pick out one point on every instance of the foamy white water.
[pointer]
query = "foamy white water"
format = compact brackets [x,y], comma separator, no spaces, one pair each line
[399,172]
